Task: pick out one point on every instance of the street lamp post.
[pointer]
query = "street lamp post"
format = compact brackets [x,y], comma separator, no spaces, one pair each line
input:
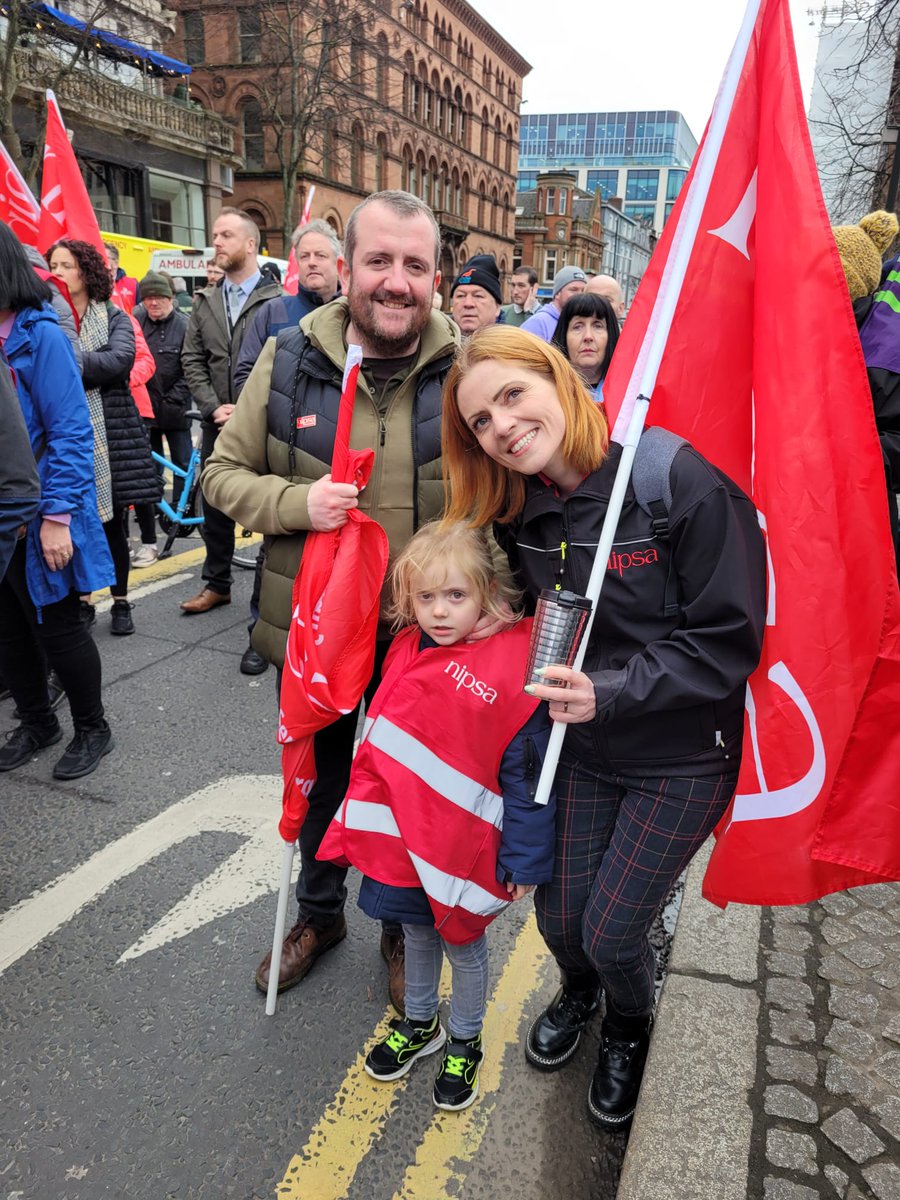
[889,138]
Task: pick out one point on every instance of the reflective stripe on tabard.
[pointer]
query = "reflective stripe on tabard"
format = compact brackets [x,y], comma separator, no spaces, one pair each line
[459,789]
[453,892]
[368,818]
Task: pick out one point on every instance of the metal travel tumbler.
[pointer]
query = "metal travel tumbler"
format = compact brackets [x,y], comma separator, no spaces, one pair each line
[559,622]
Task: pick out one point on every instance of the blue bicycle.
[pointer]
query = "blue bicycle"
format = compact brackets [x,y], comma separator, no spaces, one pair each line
[188,513]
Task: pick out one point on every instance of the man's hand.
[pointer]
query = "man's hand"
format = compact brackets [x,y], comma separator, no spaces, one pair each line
[56,544]
[328,503]
[221,414]
[519,890]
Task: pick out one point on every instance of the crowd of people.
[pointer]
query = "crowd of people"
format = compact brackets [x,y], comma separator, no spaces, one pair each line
[492,476]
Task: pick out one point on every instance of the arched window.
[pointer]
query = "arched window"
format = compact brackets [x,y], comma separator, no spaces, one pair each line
[485,129]
[409,72]
[482,199]
[409,171]
[446,190]
[434,199]
[254,135]
[382,60]
[464,196]
[357,156]
[424,181]
[495,210]
[381,154]
[456,204]
[357,55]
[465,125]
[509,149]
[497,158]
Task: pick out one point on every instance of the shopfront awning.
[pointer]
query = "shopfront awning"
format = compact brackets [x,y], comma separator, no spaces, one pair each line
[110,44]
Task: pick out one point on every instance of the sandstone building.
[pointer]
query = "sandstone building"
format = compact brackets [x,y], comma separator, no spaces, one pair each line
[418,94]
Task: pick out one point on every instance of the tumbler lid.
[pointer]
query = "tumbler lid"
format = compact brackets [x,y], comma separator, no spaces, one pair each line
[565,599]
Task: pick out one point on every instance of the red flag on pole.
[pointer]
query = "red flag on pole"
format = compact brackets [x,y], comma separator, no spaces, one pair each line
[331,641]
[762,371]
[66,210]
[18,207]
[292,275]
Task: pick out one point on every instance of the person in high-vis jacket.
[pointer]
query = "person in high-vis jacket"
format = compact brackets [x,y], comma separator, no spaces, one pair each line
[440,813]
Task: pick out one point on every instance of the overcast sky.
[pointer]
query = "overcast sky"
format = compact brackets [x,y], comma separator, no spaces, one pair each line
[599,55]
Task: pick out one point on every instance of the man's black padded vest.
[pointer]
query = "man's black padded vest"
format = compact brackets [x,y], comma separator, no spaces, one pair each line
[305,383]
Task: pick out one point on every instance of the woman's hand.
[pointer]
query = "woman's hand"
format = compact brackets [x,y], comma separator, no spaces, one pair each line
[518,890]
[56,544]
[571,704]
[488,625]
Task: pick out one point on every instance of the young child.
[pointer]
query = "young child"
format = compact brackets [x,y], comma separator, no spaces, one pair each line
[439,815]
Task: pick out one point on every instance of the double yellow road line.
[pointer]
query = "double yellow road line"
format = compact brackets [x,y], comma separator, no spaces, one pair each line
[352,1124]
[349,1128]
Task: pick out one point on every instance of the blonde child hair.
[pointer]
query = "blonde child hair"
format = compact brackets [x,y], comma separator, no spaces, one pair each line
[428,553]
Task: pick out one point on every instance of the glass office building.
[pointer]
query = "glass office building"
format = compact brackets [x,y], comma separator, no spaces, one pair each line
[641,156]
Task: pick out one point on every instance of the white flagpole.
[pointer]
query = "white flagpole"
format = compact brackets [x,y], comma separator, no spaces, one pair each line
[630,422]
[287,862]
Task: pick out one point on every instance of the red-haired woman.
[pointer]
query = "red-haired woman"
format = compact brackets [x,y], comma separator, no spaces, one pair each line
[650,762]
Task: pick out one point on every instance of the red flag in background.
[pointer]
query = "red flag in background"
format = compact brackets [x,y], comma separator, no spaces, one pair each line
[291,275]
[762,371]
[66,210]
[18,207]
[331,641]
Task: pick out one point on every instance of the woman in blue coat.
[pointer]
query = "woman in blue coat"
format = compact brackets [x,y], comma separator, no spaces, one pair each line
[63,551]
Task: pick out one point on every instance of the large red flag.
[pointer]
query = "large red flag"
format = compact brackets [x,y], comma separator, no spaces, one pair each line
[762,371]
[66,210]
[18,207]
[331,641]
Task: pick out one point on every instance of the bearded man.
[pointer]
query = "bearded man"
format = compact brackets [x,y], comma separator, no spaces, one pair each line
[274,477]
[212,343]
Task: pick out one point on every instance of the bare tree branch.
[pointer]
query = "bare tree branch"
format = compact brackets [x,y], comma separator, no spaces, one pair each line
[857,93]
[50,59]
[315,74]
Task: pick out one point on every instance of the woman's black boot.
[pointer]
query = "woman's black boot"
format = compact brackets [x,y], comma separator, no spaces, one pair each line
[624,1042]
[554,1036]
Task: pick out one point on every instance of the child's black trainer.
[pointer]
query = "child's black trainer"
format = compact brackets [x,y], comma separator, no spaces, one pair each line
[406,1042]
[456,1085]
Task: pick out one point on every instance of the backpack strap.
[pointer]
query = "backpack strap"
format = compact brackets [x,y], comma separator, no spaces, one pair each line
[650,479]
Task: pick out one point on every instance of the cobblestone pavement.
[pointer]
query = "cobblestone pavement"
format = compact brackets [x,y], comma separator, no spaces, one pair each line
[827,1099]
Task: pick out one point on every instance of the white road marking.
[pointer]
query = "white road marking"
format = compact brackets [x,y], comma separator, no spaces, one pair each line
[146,589]
[245,804]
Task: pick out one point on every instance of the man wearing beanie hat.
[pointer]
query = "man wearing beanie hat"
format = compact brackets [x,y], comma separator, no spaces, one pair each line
[475,295]
[567,283]
[156,284]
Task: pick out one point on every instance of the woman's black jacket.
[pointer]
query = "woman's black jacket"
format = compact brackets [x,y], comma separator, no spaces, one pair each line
[670,688]
[135,479]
